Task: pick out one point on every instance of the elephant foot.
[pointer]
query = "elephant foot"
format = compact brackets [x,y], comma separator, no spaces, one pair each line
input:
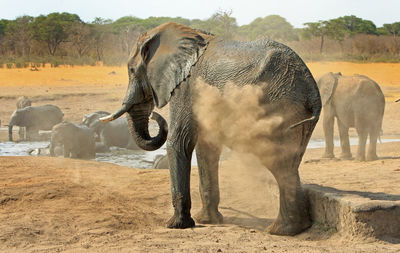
[346,156]
[280,228]
[360,158]
[328,156]
[209,217]
[180,222]
[372,157]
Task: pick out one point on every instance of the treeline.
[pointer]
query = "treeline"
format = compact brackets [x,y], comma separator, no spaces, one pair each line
[63,38]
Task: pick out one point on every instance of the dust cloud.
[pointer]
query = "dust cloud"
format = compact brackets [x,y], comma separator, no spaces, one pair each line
[236,119]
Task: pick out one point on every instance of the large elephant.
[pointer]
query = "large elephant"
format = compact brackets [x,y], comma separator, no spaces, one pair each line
[23,102]
[78,140]
[115,133]
[35,118]
[165,66]
[355,101]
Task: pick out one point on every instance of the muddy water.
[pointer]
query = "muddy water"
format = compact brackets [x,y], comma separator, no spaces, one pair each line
[130,158]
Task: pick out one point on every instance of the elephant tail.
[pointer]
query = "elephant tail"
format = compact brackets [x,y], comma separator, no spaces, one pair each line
[312,118]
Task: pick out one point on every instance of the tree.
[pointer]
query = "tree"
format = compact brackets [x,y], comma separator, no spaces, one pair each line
[318,29]
[20,35]
[80,35]
[53,29]
[220,23]
[100,28]
[354,25]
[273,27]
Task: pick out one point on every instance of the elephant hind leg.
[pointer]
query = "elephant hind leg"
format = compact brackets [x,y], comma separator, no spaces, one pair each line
[293,216]
[344,140]
[207,160]
[362,132]
[373,138]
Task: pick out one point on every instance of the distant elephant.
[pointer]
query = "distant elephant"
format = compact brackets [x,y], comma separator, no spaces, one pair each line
[355,101]
[165,66]
[35,118]
[22,102]
[160,162]
[111,134]
[77,140]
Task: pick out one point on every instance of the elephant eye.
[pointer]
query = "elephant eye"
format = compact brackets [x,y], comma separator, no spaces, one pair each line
[131,70]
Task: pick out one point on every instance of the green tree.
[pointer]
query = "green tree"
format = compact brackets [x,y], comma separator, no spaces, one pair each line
[273,27]
[53,29]
[100,29]
[354,25]
[220,23]
[20,35]
[317,29]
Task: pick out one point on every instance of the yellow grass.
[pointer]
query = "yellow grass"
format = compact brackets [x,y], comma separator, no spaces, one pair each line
[64,76]
[385,74]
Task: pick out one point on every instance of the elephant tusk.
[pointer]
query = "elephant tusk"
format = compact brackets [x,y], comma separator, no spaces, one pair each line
[115,115]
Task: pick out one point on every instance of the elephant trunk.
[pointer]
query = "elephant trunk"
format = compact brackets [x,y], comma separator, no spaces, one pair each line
[10,137]
[138,121]
[138,103]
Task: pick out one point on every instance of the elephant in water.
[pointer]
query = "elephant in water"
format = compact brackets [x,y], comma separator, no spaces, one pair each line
[23,102]
[110,134]
[78,140]
[355,101]
[166,64]
[35,118]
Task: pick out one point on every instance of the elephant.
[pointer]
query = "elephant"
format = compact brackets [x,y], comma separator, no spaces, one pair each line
[22,102]
[355,101]
[160,162]
[35,118]
[78,140]
[165,66]
[114,133]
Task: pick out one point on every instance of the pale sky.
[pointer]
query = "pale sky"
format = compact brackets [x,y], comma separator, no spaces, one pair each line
[295,12]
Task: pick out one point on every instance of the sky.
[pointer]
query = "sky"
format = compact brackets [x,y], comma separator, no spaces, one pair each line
[296,12]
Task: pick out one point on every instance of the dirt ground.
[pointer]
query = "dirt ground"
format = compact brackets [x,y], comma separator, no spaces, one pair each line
[56,204]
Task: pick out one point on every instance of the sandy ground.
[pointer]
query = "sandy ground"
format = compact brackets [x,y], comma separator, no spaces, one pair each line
[55,204]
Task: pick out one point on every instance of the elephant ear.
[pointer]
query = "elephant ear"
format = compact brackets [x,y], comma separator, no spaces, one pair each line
[169,52]
[327,85]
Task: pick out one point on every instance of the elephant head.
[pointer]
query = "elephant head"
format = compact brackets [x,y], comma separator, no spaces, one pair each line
[92,121]
[61,134]
[161,59]
[327,85]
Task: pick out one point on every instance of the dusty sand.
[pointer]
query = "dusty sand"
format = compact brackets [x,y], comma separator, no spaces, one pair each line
[56,204]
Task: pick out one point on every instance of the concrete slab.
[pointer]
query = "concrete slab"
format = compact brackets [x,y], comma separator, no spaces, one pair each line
[356,213]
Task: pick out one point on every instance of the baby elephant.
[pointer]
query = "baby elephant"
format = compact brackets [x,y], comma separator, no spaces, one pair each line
[78,140]
[35,118]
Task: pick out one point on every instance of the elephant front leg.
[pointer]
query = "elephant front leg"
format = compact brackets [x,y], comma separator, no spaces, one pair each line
[180,145]
[207,161]
[21,133]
